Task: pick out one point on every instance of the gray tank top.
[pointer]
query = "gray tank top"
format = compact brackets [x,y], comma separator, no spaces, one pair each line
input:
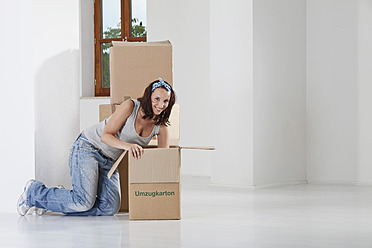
[127,133]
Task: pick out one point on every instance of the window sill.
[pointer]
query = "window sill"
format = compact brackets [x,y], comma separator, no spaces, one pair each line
[95,98]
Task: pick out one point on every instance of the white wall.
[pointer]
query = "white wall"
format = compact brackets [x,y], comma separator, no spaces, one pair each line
[89,110]
[186,25]
[231,63]
[338,91]
[259,141]
[279,91]
[330,50]
[16,102]
[56,76]
[86,17]
[364,168]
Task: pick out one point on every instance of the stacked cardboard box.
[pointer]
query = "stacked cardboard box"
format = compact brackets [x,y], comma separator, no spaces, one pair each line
[134,65]
[150,186]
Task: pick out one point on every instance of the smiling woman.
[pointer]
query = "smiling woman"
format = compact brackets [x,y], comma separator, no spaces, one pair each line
[157,96]
[93,153]
[135,122]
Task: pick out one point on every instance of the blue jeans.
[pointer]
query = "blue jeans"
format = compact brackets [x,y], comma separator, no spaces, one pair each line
[93,192]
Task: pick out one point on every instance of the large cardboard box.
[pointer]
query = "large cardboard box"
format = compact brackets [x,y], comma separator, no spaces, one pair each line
[134,65]
[150,186]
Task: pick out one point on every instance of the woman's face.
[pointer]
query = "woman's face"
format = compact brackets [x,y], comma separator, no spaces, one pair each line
[160,100]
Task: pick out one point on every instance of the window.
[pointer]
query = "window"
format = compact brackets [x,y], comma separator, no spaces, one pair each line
[115,20]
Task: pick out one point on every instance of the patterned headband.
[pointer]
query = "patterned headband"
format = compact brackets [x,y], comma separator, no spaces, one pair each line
[159,84]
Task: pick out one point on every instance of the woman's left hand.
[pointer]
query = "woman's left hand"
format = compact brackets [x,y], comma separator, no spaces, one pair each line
[135,150]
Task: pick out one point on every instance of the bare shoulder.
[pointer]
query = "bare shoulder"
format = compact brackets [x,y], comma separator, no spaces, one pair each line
[119,117]
[163,129]
[126,108]
[128,104]
[163,137]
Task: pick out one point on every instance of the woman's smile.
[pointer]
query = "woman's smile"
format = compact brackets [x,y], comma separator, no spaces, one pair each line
[160,100]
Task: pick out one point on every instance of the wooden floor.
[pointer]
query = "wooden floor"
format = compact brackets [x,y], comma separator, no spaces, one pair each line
[292,216]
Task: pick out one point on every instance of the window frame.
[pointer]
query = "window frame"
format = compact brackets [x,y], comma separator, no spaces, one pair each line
[98,40]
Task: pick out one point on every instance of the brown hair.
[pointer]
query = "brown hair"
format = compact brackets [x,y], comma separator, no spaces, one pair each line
[145,100]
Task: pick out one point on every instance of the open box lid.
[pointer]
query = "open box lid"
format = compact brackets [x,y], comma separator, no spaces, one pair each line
[174,133]
[134,65]
[159,165]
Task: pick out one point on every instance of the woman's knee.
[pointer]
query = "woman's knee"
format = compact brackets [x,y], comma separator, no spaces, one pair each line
[111,208]
[84,203]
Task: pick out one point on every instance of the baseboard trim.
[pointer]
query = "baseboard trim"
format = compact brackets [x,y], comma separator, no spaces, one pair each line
[263,186]
[284,184]
[337,182]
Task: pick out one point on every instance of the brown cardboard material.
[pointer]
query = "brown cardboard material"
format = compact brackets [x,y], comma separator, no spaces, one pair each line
[154,185]
[124,182]
[106,110]
[150,186]
[155,201]
[134,65]
[157,165]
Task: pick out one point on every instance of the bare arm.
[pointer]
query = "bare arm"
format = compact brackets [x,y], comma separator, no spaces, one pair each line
[163,137]
[116,121]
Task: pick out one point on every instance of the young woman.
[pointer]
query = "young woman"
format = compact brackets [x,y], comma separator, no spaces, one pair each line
[94,152]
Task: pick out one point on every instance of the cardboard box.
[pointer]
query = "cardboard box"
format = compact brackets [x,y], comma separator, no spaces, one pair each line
[150,186]
[134,65]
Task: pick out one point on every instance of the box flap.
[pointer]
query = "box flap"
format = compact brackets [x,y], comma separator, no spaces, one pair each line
[134,65]
[157,165]
[209,148]
[149,175]
[117,162]
[150,43]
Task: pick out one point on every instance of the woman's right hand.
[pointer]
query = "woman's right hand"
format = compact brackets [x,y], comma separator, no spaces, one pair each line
[135,150]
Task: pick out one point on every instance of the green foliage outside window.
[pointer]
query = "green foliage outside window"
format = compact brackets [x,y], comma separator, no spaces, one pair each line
[137,31]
